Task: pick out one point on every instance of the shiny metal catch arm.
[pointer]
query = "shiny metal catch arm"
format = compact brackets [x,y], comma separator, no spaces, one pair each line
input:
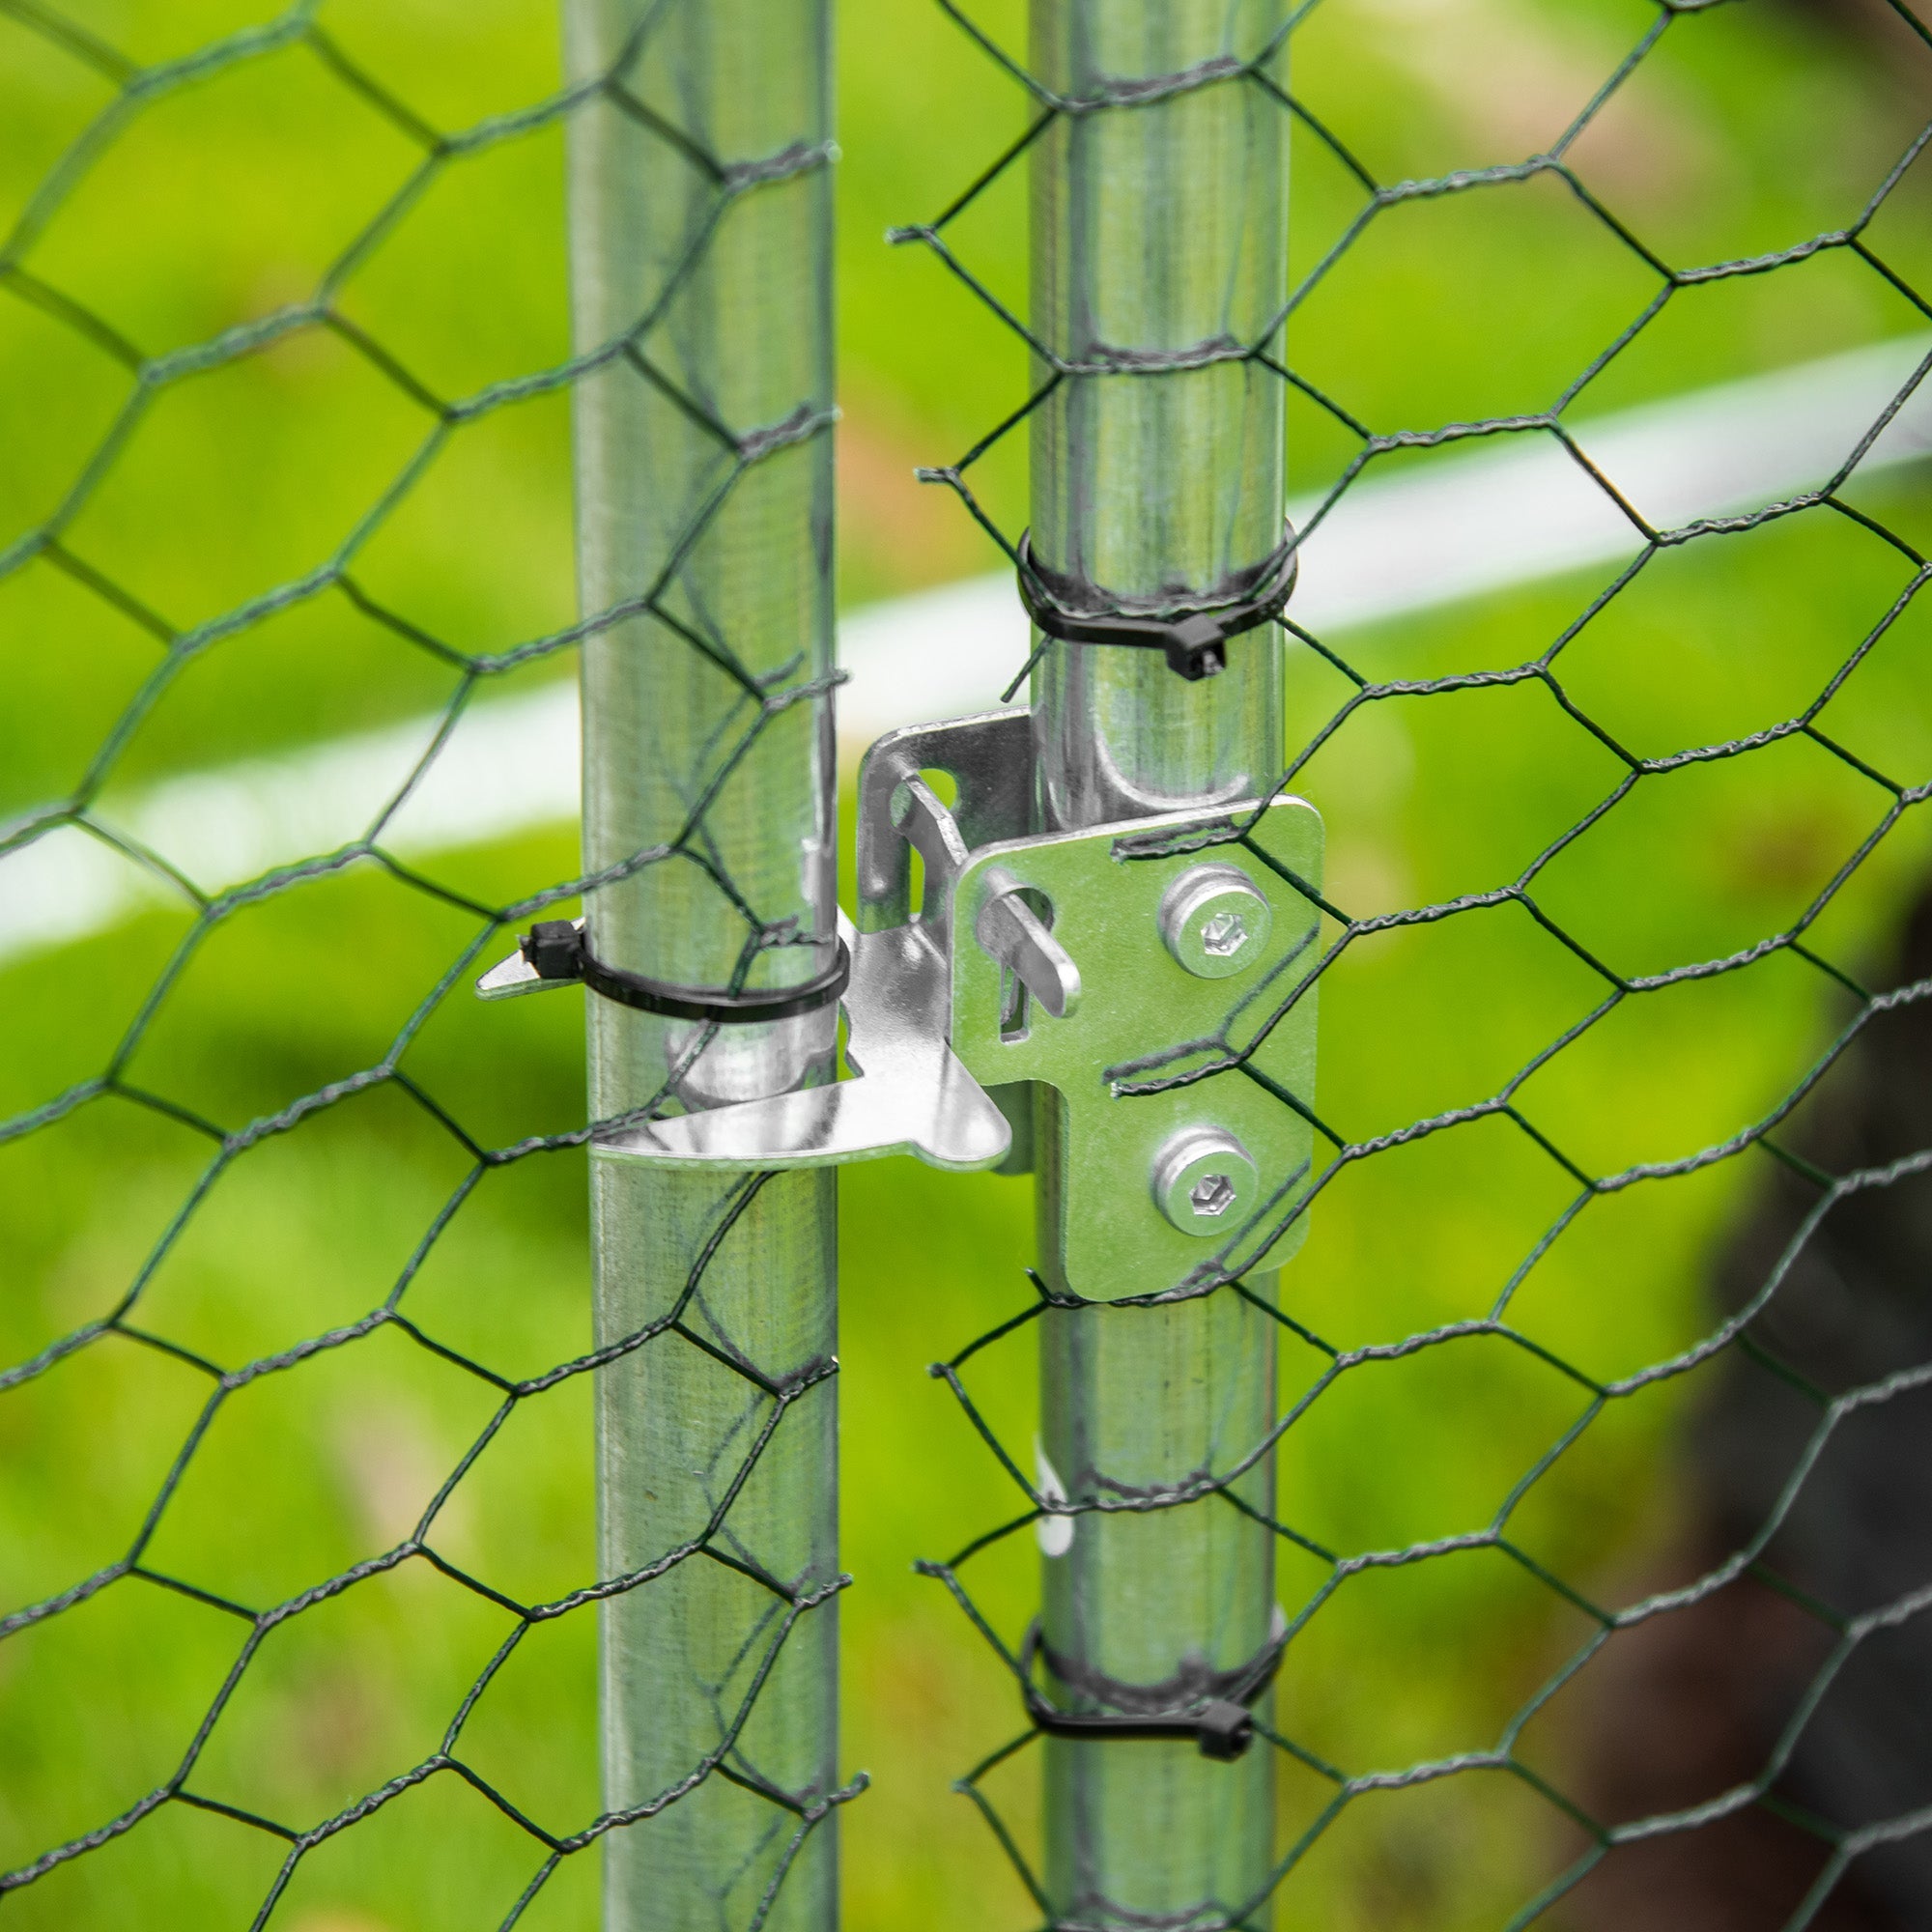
[910,1092]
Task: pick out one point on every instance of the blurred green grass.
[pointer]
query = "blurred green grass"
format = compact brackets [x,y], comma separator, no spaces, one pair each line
[1754,127]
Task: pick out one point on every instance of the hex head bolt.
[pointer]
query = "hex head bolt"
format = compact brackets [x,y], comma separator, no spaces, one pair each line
[1215,920]
[1204,1181]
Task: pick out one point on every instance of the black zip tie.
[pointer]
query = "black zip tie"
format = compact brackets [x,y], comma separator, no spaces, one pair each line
[1223,1727]
[1195,641]
[556,949]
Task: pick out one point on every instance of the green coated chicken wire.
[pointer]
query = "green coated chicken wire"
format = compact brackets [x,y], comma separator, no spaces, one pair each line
[1803,1414]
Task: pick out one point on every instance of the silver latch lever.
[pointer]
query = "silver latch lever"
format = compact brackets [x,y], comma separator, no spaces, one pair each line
[1011,931]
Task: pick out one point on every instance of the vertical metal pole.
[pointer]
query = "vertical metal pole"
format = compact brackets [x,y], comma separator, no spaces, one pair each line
[1159,240]
[701,209]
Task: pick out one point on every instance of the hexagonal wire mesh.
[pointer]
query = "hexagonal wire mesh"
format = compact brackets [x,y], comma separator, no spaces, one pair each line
[1852,1783]
[1839,1165]
[298,1601]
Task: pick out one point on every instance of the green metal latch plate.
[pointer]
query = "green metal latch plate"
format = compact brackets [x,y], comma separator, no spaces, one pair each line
[1186,954]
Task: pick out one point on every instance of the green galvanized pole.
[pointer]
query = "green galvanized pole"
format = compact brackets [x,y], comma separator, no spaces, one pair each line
[1158,250]
[700,237]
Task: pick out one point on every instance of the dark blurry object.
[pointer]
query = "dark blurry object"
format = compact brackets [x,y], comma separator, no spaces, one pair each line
[1868,19]
[1814,1663]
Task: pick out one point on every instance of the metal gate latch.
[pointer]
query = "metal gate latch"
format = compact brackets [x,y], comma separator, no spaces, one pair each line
[1061,996]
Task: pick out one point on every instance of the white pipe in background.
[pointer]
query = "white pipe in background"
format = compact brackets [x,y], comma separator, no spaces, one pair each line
[1468,520]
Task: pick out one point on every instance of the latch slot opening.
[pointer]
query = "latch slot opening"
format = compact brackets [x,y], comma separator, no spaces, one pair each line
[944,787]
[1016,1003]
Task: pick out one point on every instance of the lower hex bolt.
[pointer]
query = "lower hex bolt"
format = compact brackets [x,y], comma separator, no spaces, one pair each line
[1204,1181]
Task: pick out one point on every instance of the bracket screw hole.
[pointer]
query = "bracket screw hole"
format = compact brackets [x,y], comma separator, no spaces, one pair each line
[1213,1194]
